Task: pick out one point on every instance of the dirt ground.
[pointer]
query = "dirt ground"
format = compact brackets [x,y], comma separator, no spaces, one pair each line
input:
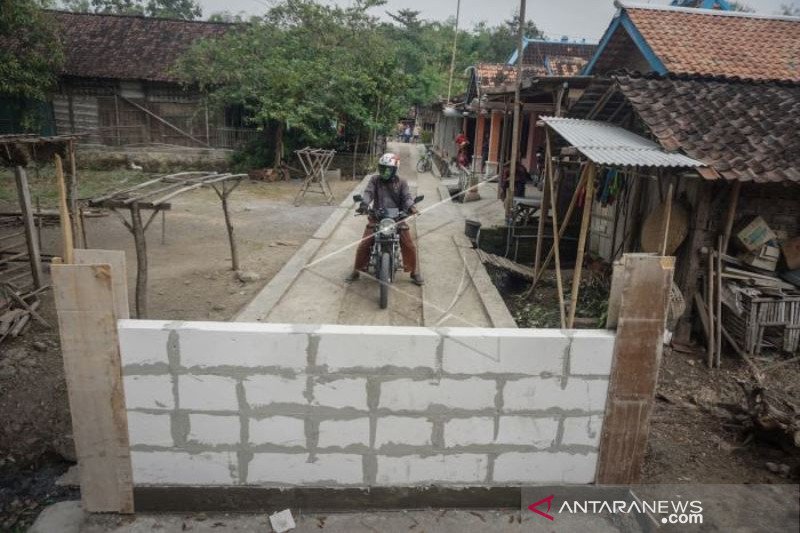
[190,279]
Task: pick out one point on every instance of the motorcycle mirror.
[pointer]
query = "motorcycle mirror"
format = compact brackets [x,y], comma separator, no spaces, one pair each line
[357,197]
[419,198]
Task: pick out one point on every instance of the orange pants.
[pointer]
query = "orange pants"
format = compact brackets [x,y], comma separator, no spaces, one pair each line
[407,249]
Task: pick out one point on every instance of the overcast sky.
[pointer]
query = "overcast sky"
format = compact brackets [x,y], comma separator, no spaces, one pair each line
[577,19]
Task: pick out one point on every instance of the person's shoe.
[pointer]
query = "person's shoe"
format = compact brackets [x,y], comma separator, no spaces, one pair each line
[354,275]
[417,279]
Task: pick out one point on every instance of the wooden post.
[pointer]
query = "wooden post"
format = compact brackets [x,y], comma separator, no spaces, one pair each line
[556,240]
[646,283]
[84,298]
[223,196]
[66,225]
[24,195]
[712,335]
[733,203]
[494,136]
[77,220]
[588,202]
[543,211]
[515,133]
[137,229]
[718,313]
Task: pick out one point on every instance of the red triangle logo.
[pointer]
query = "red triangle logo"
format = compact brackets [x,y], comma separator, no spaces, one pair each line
[549,501]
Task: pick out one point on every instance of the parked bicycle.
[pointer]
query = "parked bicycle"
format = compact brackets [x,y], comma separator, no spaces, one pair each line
[427,162]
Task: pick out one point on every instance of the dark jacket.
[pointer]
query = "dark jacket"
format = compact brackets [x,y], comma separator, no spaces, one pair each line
[383,193]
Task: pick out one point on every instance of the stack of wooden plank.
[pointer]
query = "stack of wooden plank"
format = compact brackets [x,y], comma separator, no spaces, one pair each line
[17,309]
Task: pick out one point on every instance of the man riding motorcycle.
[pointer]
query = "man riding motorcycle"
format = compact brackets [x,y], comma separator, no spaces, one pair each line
[385,190]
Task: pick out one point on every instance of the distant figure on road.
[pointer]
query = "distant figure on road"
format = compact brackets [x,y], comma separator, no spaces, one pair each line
[387,189]
[416,133]
[407,134]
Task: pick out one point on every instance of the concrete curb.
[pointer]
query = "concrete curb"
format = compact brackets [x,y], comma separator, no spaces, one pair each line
[261,305]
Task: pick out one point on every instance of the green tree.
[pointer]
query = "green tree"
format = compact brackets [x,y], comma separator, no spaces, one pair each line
[790,10]
[304,68]
[31,55]
[177,9]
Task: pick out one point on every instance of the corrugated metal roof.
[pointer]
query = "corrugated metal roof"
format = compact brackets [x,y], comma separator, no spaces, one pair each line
[607,144]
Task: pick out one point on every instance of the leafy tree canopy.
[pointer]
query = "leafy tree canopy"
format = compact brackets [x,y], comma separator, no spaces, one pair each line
[178,9]
[30,54]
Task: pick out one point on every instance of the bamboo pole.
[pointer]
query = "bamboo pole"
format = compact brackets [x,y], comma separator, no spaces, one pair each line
[515,133]
[667,219]
[732,206]
[711,324]
[718,340]
[587,217]
[66,225]
[556,240]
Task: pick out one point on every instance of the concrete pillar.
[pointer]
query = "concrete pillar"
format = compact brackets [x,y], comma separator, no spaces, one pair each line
[530,151]
[494,142]
[477,157]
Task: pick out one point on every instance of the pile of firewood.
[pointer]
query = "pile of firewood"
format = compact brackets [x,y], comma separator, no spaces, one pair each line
[17,309]
[774,416]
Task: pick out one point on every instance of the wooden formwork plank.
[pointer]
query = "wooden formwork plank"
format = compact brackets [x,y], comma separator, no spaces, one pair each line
[84,298]
[646,283]
[119,275]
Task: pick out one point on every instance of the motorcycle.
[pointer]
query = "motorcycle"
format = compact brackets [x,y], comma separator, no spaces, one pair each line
[385,258]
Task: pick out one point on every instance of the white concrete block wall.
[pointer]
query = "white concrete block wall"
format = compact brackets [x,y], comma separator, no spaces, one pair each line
[283,405]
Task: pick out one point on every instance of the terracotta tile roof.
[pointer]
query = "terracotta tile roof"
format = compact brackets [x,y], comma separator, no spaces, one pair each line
[499,74]
[744,130]
[721,43]
[128,47]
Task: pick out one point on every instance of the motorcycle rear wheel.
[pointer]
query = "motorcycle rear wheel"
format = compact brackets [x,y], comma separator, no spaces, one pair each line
[384,278]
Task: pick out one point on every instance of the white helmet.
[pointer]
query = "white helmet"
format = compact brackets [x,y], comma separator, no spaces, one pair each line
[388,165]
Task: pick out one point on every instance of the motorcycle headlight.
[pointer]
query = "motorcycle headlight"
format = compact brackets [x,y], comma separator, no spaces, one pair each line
[386,226]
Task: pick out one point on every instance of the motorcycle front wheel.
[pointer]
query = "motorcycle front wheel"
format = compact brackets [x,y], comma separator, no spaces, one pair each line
[384,278]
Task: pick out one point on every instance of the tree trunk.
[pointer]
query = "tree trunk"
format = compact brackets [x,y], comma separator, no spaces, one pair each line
[279,145]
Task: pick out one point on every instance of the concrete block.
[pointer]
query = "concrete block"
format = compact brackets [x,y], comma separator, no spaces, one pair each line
[182,468]
[370,347]
[341,393]
[148,392]
[475,430]
[280,430]
[341,433]
[152,430]
[411,395]
[413,469]
[403,430]
[207,393]
[545,467]
[527,431]
[267,390]
[504,351]
[298,469]
[591,352]
[582,430]
[214,429]
[538,394]
[142,342]
[212,344]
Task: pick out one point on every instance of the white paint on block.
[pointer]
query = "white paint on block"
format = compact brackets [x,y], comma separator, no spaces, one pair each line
[210,344]
[152,430]
[411,395]
[583,430]
[504,351]
[214,429]
[591,352]
[207,393]
[413,469]
[546,393]
[295,469]
[355,347]
[545,467]
[341,393]
[527,431]
[282,522]
[148,392]
[403,430]
[142,342]
[478,430]
[341,433]
[182,468]
[260,391]
[280,430]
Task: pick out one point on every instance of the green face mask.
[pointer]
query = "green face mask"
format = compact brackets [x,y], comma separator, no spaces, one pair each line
[386,173]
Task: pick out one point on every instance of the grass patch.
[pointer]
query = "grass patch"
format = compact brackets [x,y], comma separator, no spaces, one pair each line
[91,183]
